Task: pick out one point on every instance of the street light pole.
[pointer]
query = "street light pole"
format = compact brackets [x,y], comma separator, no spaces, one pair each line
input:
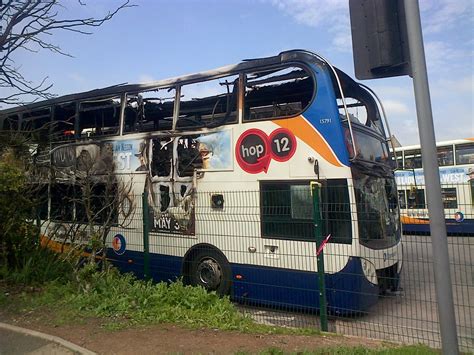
[442,274]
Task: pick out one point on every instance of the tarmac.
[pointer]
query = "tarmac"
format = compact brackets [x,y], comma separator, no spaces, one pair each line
[18,341]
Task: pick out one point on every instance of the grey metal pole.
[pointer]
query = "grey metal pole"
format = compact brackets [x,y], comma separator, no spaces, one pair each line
[442,274]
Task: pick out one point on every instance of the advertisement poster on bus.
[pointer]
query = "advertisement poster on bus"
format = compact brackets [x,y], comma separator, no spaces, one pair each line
[448,175]
[173,162]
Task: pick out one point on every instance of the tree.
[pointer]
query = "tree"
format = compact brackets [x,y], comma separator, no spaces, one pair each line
[28,25]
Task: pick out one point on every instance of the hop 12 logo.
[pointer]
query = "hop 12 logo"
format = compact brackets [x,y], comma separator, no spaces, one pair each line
[255,150]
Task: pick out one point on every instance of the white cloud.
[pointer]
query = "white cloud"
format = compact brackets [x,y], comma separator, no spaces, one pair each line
[393,107]
[333,15]
[443,56]
[311,12]
[455,87]
[440,15]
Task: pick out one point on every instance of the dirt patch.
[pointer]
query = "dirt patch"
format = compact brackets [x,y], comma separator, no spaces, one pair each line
[168,338]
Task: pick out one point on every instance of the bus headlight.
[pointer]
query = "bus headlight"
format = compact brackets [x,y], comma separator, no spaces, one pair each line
[369,271]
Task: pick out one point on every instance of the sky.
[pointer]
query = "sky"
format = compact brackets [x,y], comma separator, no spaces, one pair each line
[159,39]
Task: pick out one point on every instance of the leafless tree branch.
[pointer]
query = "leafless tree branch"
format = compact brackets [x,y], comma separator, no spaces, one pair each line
[28,25]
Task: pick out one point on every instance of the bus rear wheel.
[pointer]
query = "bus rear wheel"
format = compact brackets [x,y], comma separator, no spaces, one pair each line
[211,270]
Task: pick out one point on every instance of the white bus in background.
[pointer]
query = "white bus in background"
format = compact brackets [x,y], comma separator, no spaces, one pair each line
[456,170]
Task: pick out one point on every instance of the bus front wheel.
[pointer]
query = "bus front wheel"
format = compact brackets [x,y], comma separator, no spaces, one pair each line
[211,270]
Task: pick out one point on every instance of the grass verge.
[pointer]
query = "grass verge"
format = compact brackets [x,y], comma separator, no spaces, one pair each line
[121,301]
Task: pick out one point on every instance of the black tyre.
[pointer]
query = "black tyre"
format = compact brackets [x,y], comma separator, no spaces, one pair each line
[211,270]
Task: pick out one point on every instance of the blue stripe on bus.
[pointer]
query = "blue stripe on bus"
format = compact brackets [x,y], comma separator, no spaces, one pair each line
[452,227]
[323,108]
[347,291]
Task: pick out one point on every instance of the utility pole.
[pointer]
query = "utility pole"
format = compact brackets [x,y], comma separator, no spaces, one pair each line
[439,241]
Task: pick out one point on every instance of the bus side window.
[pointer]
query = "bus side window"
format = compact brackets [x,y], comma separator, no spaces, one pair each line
[64,122]
[449,197]
[209,103]
[277,93]
[465,153]
[189,156]
[445,156]
[416,198]
[162,155]
[336,210]
[287,211]
[402,199]
[99,117]
[10,123]
[36,120]
[149,111]
[62,206]
[413,159]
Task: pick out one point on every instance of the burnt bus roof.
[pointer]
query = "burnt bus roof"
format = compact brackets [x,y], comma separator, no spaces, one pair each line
[245,65]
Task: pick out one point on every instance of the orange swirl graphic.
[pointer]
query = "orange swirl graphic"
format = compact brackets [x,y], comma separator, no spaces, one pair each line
[308,134]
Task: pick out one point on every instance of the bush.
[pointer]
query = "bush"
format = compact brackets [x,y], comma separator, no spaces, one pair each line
[22,258]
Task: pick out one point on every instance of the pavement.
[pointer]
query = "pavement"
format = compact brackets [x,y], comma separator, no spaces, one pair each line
[18,341]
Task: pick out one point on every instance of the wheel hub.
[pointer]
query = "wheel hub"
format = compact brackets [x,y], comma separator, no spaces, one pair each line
[209,274]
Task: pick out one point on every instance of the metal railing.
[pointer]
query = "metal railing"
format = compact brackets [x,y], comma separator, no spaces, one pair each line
[261,248]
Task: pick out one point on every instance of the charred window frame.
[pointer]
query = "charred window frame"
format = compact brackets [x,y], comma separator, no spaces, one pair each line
[36,119]
[37,124]
[189,156]
[101,202]
[63,127]
[99,117]
[278,92]
[150,110]
[62,202]
[9,123]
[209,103]
[40,200]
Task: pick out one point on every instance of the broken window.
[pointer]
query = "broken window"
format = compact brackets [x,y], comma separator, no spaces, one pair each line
[64,120]
[99,117]
[277,93]
[62,202]
[357,110]
[10,123]
[189,156]
[162,154]
[209,103]
[35,120]
[150,111]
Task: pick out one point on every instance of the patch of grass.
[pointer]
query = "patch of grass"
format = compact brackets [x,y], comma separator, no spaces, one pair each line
[123,301]
[120,301]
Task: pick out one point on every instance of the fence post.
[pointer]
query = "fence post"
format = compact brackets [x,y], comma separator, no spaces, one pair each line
[146,240]
[316,192]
